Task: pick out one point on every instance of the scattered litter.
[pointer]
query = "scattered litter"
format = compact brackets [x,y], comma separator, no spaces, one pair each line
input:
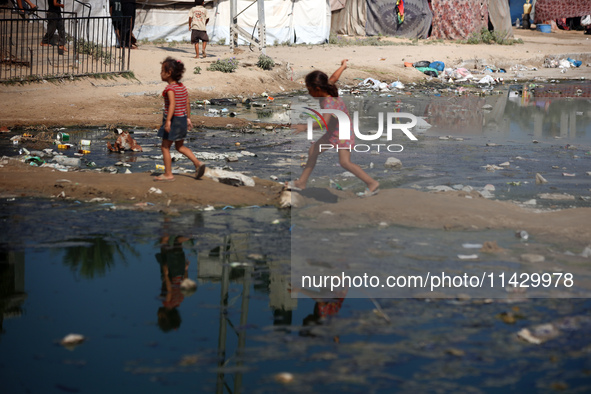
[487,79]
[188,284]
[393,162]
[70,341]
[491,247]
[67,161]
[539,334]
[492,167]
[540,180]
[154,190]
[532,258]
[124,143]
[468,256]
[229,178]
[284,377]
[556,196]
[522,234]
[472,246]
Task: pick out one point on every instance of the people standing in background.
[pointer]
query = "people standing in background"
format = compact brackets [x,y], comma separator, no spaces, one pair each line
[115,9]
[55,22]
[21,8]
[127,37]
[197,21]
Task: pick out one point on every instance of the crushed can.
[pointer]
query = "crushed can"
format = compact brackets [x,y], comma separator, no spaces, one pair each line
[63,136]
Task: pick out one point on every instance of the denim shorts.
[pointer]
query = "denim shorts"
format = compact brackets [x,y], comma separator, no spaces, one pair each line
[178,129]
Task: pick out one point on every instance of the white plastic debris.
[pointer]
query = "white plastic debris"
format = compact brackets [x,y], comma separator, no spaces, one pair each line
[71,340]
[471,246]
[188,284]
[487,79]
[284,377]
[397,85]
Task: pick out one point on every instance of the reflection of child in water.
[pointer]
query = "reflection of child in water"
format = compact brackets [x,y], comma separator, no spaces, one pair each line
[324,308]
[174,267]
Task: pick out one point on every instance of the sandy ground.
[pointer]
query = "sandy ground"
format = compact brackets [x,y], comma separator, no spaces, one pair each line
[100,102]
[120,101]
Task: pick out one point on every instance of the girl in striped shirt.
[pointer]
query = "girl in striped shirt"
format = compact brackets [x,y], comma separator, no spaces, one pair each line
[176,118]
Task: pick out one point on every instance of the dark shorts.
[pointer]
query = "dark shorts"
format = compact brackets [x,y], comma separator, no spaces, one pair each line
[178,129]
[197,35]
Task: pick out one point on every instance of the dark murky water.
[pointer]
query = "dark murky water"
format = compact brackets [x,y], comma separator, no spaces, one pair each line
[97,271]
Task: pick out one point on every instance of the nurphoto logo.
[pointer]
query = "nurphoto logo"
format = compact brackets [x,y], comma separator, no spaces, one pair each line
[344,127]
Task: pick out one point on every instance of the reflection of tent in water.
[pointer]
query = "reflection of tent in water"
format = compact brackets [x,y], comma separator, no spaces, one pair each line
[555,110]
[468,115]
[450,19]
[458,115]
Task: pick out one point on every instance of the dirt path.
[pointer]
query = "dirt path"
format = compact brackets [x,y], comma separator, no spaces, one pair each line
[120,101]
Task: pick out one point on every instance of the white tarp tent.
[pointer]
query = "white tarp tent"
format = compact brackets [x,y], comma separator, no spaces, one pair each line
[287,21]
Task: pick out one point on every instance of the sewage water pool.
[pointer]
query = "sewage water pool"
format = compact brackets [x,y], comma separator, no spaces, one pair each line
[88,269]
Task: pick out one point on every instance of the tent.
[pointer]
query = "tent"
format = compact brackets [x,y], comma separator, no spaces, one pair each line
[499,15]
[382,19]
[287,21]
[546,10]
[350,19]
[455,19]
[449,19]
[378,17]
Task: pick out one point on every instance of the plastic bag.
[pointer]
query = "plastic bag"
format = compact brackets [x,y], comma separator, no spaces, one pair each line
[586,20]
[422,63]
[439,66]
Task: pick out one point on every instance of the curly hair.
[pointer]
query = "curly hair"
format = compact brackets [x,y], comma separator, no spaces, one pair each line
[175,67]
[318,79]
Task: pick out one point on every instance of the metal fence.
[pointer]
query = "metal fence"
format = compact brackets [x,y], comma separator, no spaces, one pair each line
[92,45]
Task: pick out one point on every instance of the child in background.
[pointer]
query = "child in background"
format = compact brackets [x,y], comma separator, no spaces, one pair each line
[176,119]
[319,85]
[197,21]
[55,22]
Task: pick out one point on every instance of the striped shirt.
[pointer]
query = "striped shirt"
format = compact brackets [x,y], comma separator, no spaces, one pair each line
[180,96]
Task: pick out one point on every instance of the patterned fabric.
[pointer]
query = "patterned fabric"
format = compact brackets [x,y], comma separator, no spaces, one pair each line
[339,104]
[382,19]
[180,97]
[455,19]
[199,15]
[546,10]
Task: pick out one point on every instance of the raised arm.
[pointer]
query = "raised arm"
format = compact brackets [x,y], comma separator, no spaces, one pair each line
[337,74]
